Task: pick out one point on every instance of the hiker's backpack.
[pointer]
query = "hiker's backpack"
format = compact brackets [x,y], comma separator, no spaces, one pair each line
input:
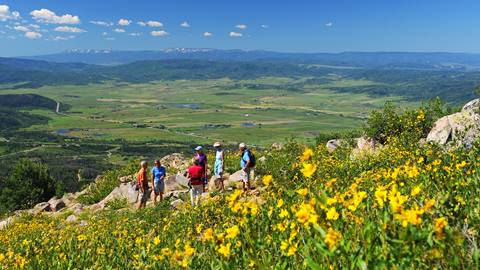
[253,160]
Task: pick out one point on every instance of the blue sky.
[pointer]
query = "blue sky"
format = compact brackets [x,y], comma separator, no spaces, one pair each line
[30,27]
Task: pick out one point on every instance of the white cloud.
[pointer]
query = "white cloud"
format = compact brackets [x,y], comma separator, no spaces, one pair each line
[102,23]
[207,34]
[134,34]
[33,35]
[47,16]
[124,22]
[185,24]
[119,30]
[329,24]
[104,34]
[235,34]
[36,26]
[160,33]
[59,38]
[6,14]
[141,23]
[241,26]
[265,26]
[154,24]
[68,29]
[110,38]
[21,28]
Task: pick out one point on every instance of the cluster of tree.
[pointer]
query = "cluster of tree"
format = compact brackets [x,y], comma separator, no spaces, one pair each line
[28,184]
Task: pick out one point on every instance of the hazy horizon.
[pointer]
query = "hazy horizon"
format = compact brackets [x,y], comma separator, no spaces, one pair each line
[38,28]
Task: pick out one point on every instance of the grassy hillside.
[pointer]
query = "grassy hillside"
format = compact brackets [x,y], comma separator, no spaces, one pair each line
[402,207]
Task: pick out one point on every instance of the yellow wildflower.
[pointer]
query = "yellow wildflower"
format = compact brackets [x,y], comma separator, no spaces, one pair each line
[208,234]
[332,238]
[284,214]
[332,214]
[306,214]
[81,237]
[415,191]
[302,192]
[267,180]
[199,228]
[307,154]
[232,232]
[280,203]
[156,241]
[380,196]
[189,250]
[225,250]
[166,251]
[308,169]
[284,245]
[292,250]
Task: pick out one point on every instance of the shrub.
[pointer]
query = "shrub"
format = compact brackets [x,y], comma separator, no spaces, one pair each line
[408,125]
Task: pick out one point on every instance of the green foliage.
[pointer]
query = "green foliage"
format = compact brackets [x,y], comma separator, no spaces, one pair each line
[28,184]
[27,101]
[409,124]
[11,119]
[99,189]
[118,203]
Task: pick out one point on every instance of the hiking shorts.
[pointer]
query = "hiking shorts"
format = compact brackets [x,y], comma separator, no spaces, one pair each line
[246,175]
[159,186]
[144,196]
[218,169]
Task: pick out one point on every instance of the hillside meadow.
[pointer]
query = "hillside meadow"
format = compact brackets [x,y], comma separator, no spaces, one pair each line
[403,206]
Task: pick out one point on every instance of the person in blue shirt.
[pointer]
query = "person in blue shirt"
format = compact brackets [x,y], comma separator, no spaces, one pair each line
[245,165]
[158,183]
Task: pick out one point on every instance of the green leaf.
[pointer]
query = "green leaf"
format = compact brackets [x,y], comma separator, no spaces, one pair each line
[312,264]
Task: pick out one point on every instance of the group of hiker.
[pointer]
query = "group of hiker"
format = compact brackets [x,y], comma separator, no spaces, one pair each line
[197,174]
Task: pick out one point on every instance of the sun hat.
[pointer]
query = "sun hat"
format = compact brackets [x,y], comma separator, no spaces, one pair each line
[217,144]
[242,145]
[198,148]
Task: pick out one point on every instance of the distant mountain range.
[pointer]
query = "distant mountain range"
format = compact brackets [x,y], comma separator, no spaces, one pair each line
[387,60]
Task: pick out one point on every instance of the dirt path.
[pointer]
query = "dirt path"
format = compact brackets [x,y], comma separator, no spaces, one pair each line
[23,151]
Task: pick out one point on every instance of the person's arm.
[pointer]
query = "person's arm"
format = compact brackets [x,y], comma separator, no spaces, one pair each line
[223,161]
[247,161]
[153,179]
[206,167]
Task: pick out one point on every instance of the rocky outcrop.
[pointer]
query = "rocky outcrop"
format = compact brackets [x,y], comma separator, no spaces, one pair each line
[458,129]
[176,161]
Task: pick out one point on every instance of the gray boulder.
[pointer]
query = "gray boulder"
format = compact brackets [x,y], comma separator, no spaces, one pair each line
[56,204]
[71,219]
[176,204]
[5,223]
[176,182]
[458,129]
[41,207]
[332,145]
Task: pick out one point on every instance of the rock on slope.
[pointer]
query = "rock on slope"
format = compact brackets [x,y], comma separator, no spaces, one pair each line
[461,128]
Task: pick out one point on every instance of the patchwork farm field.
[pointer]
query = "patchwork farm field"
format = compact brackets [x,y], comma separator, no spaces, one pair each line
[260,111]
